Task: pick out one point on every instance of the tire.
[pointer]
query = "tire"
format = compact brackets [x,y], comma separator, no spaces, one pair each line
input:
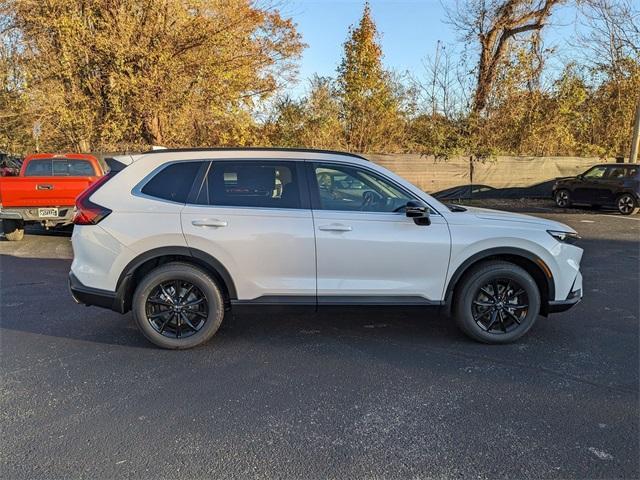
[13,230]
[475,305]
[161,316]
[627,204]
[562,198]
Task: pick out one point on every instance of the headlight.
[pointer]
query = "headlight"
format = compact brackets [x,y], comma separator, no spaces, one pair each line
[564,237]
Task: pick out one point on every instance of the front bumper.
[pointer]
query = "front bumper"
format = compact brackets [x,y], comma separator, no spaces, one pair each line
[94,296]
[574,297]
[557,306]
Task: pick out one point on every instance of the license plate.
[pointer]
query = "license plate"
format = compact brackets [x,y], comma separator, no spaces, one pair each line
[47,212]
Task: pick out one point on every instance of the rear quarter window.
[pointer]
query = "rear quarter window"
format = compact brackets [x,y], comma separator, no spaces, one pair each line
[173,182]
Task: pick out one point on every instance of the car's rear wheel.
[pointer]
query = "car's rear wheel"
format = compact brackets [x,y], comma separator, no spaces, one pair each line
[496,302]
[563,198]
[178,306]
[13,230]
[627,204]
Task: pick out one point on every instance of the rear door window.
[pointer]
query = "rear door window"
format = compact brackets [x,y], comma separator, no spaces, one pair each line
[38,168]
[260,184]
[622,171]
[173,182]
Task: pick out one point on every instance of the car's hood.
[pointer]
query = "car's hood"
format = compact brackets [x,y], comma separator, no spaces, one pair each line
[501,216]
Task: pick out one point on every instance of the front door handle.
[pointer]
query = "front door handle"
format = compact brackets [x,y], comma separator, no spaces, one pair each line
[209,222]
[44,186]
[335,227]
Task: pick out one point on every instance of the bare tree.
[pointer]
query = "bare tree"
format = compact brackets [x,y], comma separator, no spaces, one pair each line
[611,34]
[493,24]
[610,43]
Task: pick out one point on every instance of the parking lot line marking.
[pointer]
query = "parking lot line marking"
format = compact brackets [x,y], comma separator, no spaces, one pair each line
[622,216]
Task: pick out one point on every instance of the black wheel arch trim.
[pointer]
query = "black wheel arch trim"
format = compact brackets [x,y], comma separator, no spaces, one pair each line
[494,252]
[214,264]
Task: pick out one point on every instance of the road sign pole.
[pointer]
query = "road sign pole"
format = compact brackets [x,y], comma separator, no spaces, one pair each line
[37,130]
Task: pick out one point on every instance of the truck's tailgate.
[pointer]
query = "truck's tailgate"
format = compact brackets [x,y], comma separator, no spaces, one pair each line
[41,191]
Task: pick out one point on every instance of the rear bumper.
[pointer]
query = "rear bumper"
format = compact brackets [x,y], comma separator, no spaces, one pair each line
[8,215]
[95,297]
[30,214]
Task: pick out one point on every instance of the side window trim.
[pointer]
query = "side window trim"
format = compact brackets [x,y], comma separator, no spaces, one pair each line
[198,183]
[299,166]
[314,189]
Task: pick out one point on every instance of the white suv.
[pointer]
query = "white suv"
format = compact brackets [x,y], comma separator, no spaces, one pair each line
[182,236]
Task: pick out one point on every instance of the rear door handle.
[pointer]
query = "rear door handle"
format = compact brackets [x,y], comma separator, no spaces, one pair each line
[335,227]
[209,222]
[44,186]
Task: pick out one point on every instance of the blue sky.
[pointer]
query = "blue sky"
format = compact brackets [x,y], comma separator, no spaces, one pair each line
[410,30]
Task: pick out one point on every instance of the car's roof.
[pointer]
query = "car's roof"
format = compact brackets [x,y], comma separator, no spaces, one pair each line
[232,150]
[616,165]
[162,155]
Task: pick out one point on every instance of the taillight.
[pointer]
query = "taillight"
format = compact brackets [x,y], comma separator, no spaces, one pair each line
[87,212]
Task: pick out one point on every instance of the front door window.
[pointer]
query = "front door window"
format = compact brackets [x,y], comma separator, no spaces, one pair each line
[346,188]
[595,173]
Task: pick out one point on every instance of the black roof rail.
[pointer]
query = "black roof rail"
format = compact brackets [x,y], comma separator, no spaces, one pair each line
[257,149]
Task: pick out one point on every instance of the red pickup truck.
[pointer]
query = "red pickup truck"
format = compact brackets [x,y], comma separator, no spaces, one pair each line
[45,190]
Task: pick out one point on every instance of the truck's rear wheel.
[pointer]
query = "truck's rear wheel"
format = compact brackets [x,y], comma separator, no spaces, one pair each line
[13,230]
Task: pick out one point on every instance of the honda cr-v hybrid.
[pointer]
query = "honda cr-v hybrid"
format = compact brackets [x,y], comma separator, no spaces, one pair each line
[180,237]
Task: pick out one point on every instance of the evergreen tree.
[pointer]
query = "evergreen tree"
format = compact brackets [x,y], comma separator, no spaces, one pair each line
[370,109]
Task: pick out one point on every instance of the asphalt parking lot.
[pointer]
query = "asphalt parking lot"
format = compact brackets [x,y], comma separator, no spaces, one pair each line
[334,395]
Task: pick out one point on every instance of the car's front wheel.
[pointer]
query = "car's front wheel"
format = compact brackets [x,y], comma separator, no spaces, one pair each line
[496,302]
[562,198]
[627,204]
[178,306]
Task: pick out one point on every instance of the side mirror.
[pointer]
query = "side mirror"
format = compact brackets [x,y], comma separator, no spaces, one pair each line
[418,211]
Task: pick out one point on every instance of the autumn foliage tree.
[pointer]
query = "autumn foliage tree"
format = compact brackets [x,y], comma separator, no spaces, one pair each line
[107,75]
[125,74]
[371,111]
[312,121]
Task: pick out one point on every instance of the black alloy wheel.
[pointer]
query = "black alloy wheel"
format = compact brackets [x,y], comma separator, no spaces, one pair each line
[176,309]
[178,305]
[563,198]
[626,204]
[496,302]
[500,306]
